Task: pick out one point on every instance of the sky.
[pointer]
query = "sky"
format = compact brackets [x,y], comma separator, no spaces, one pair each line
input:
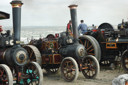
[57,13]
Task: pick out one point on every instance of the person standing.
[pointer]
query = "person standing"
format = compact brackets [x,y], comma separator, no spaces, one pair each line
[93,27]
[1,29]
[69,27]
[83,27]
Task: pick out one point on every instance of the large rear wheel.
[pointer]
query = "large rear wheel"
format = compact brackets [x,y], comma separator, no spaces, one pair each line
[69,69]
[91,45]
[90,67]
[6,77]
[98,46]
[34,54]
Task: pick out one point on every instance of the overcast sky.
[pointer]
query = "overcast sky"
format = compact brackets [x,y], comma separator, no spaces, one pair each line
[57,13]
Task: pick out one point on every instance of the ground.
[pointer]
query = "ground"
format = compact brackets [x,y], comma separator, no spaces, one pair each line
[105,77]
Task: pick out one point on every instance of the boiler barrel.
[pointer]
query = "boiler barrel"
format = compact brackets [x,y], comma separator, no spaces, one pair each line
[76,51]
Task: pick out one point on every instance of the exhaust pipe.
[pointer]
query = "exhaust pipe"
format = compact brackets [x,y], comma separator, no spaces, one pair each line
[74,20]
[16,11]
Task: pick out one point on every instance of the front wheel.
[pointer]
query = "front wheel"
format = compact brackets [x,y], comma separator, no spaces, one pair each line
[90,67]
[69,69]
[6,77]
[34,74]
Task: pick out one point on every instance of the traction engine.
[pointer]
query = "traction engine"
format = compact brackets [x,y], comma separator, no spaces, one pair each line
[113,43]
[15,66]
[69,53]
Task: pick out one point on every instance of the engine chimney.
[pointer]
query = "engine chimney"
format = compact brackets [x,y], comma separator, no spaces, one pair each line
[16,9]
[74,20]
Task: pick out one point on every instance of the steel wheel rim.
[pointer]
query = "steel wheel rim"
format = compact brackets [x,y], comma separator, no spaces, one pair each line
[3,77]
[6,77]
[98,47]
[89,47]
[68,66]
[34,54]
[91,70]
[31,71]
[68,69]
[33,74]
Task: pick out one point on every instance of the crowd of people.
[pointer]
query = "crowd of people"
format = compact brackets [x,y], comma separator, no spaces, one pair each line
[82,28]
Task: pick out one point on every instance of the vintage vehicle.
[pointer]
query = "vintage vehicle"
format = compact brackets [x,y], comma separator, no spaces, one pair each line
[15,65]
[113,43]
[66,52]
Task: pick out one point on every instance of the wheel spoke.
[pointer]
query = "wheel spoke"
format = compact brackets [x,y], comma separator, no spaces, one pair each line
[31,54]
[81,42]
[89,47]
[91,54]
[91,50]
[90,62]
[85,43]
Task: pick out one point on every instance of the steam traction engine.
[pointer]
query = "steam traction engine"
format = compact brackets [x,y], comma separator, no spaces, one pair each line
[114,43]
[66,52]
[15,67]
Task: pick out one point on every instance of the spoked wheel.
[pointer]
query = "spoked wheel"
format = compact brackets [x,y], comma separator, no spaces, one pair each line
[91,45]
[33,74]
[52,70]
[69,69]
[124,60]
[6,77]
[98,47]
[34,54]
[90,67]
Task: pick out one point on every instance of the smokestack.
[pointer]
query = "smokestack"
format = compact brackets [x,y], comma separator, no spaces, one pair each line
[74,20]
[16,11]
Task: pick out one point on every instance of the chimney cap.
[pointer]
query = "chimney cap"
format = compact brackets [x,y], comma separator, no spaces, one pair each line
[16,2]
[73,6]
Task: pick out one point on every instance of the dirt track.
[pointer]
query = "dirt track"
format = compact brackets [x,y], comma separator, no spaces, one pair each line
[104,78]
